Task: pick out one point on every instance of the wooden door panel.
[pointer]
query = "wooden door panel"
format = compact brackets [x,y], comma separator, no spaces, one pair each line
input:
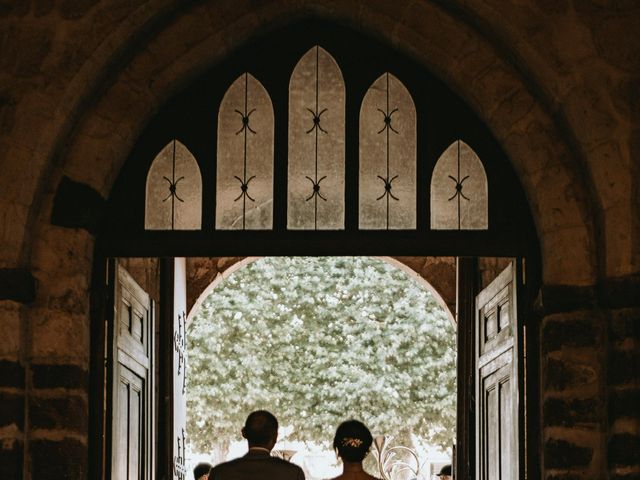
[129,436]
[506,422]
[120,432]
[496,379]
[496,310]
[136,437]
[132,357]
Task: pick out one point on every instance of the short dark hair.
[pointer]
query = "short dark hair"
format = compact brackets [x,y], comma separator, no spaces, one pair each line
[352,441]
[260,427]
[201,469]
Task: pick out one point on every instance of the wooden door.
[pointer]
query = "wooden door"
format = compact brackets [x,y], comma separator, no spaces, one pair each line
[497,385]
[133,328]
[179,355]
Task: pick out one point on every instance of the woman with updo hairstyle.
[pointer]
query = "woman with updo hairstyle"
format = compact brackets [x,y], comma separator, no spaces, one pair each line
[352,443]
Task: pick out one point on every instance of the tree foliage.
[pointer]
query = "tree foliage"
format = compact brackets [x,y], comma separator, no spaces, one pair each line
[318,341]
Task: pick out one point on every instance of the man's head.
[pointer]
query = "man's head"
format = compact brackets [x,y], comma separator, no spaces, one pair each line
[201,471]
[445,473]
[261,429]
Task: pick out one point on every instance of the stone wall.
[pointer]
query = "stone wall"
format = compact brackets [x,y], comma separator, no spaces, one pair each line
[558,83]
[590,408]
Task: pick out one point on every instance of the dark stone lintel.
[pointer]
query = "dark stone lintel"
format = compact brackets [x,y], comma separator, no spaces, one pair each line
[17,284]
[77,205]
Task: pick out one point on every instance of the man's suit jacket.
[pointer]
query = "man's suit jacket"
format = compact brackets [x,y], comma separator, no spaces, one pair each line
[256,465]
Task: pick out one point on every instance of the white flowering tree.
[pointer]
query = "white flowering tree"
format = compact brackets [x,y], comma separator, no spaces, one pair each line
[318,341]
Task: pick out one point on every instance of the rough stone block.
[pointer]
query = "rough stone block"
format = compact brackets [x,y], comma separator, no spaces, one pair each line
[11,374]
[11,455]
[624,404]
[59,376]
[625,476]
[565,455]
[624,325]
[10,322]
[54,460]
[77,205]
[17,284]
[65,413]
[624,450]
[560,375]
[570,412]
[615,44]
[74,9]
[12,410]
[13,219]
[565,298]
[623,367]
[60,336]
[569,330]
[569,249]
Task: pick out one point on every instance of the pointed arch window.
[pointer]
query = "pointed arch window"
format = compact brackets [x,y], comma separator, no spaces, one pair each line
[173,198]
[387,157]
[316,143]
[244,180]
[459,190]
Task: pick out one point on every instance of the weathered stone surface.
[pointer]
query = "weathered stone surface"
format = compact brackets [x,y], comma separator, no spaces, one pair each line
[620,292]
[17,284]
[60,336]
[59,376]
[11,455]
[73,9]
[12,411]
[624,450]
[77,205]
[570,331]
[624,325]
[564,298]
[625,476]
[54,460]
[11,374]
[624,404]
[623,367]
[571,412]
[25,49]
[565,455]
[10,327]
[42,7]
[10,7]
[64,413]
[560,375]
[616,44]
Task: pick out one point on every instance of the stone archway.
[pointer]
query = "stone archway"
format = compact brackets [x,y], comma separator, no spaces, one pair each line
[561,131]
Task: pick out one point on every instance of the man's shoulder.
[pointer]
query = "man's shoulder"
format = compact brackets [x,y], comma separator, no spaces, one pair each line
[276,462]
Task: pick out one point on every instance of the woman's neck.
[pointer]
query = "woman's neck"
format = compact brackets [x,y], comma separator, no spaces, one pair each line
[352,467]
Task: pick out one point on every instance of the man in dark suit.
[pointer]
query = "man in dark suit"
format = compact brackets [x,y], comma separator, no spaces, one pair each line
[261,432]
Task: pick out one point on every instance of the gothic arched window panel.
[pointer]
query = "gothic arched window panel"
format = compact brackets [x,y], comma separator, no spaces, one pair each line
[459,190]
[316,143]
[387,157]
[174,190]
[244,180]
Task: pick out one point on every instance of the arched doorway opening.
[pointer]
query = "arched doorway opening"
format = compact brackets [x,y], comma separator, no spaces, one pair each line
[443,133]
[320,340]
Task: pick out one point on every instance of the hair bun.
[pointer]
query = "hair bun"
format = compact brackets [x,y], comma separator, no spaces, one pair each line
[351,442]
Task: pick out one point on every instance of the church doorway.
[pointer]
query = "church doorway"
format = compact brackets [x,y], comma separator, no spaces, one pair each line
[320,340]
[320,141]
